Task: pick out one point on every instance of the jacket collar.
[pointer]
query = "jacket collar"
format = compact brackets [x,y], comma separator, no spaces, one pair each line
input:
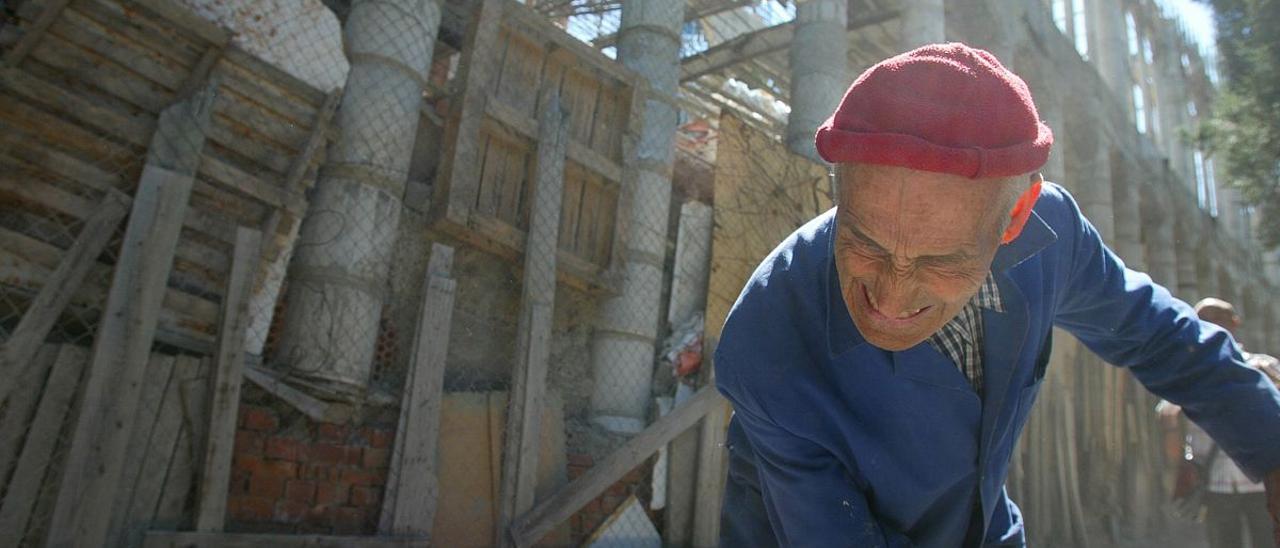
[841,333]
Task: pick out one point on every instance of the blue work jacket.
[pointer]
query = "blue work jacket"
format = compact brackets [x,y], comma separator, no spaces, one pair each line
[835,442]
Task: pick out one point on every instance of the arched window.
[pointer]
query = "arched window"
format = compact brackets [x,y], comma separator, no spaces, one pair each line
[1080,26]
[1132,26]
[1139,109]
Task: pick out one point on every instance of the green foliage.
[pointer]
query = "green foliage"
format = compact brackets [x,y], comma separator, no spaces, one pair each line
[1245,128]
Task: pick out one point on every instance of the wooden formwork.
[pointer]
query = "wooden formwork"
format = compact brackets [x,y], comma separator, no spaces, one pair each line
[78,109]
[482,192]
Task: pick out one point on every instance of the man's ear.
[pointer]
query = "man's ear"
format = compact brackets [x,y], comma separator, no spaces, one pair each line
[1022,210]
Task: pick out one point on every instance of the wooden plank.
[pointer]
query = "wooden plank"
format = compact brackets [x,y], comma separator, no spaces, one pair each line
[533,345]
[315,408]
[493,174]
[196,255]
[252,88]
[572,203]
[530,527]
[200,71]
[609,123]
[521,74]
[180,16]
[17,352]
[578,151]
[89,34]
[129,128]
[66,136]
[82,513]
[460,167]
[224,173]
[296,89]
[21,408]
[128,26]
[52,11]
[107,75]
[160,368]
[409,503]
[234,137]
[211,506]
[171,510]
[295,179]
[23,146]
[579,94]
[166,539]
[516,181]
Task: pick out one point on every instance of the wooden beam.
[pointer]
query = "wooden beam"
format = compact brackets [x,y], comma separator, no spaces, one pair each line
[37,450]
[409,503]
[748,46]
[200,72]
[52,10]
[17,352]
[533,345]
[211,504]
[531,527]
[319,131]
[82,513]
[314,408]
[168,539]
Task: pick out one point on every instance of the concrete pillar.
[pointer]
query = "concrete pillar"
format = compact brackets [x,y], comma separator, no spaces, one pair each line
[1088,162]
[923,22]
[1109,48]
[692,263]
[622,346]
[1186,243]
[343,257]
[819,69]
[1158,237]
[1171,101]
[1126,196]
[1273,328]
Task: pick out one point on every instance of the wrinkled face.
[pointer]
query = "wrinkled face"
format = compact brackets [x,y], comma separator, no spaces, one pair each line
[912,247]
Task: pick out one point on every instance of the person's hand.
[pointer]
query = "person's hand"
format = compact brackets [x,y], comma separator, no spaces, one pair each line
[1272,483]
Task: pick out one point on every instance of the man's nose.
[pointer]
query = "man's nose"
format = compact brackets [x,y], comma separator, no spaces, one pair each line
[893,295]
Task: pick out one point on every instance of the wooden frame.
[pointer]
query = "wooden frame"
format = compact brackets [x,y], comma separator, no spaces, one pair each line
[512,53]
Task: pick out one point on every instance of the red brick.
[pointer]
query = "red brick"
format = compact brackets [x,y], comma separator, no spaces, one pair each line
[356,476]
[330,493]
[363,495]
[248,442]
[303,491]
[354,455]
[347,520]
[380,438]
[331,432]
[246,508]
[376,458]
[284,448]
[259,467]
[327,453]
[617,490]
[318,471]
[238,484]
[259,419]
[271,487]
[581,459]
[289,511]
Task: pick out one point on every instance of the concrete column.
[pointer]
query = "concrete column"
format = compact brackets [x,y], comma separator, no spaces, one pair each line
[923,22]
[1171,102]
[622,346]
[1088,163]
[1109,48]
[1126,196]
[1186,243]
[692,263]
[1273,328]
[819,69]
[342,261]
[1158,237]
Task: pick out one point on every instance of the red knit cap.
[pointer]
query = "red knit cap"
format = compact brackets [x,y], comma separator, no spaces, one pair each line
[947,108]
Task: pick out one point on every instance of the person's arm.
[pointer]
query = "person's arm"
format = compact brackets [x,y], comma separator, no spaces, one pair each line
[1131,322]
[809,498]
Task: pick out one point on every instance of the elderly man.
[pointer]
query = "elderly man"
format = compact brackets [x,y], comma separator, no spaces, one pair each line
[883,359]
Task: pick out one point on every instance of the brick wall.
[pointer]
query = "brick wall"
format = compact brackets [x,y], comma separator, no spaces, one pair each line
[304,476]
[590,517]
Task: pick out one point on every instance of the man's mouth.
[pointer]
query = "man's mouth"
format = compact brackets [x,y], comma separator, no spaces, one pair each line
[894,320]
